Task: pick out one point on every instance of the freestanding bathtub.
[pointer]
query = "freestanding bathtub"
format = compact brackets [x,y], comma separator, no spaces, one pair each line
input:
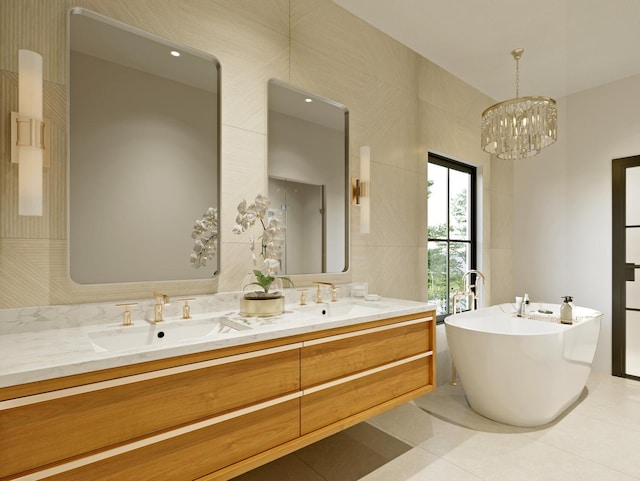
[519,371]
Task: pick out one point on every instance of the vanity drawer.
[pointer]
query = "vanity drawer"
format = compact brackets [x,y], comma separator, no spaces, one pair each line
[196,453]
[334,357]
[333,402]
[49,427]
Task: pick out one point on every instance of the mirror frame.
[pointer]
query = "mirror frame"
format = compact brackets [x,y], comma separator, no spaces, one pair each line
[347,179]
[218,133]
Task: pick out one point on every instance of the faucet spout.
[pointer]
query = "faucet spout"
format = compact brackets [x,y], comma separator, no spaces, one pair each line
[466,279]
[331,285]
[470,289]
[161,300]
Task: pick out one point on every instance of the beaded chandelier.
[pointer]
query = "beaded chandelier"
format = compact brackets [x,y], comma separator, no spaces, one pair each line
[520,127]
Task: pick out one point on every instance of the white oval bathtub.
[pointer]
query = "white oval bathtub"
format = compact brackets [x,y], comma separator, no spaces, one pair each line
[518,371]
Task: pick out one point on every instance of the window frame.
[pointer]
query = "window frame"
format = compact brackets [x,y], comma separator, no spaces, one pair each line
[450,164]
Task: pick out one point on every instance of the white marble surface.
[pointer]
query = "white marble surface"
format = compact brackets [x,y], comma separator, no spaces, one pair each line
[46,343]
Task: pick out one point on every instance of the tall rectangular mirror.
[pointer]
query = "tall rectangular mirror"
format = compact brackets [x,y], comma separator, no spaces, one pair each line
[308,178]
[144,143]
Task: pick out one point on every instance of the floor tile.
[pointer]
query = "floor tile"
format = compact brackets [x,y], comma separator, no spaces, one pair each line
[614,400]
[499,457]
[419,465]
[598,441]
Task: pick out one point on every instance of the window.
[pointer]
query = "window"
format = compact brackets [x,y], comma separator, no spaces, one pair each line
[451,230]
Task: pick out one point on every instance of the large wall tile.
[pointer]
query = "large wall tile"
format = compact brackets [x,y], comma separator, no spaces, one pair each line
[438,129]
[394,206]
[501,220]
[244,176]
[24,276]
[326,27]
[391,62]
[441,88]
[501,275]
[392,125]
[390,271]
[502,175]
[36,25]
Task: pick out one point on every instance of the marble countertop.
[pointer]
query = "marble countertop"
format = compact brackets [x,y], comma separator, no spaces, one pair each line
[51,353]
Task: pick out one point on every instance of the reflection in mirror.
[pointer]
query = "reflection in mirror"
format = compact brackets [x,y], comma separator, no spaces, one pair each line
[308,178]
[305,222]
[144,128]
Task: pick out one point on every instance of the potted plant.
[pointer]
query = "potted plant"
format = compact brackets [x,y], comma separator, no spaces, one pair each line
[268,299]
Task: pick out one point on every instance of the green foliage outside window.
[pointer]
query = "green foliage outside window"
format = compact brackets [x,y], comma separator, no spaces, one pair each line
[458,258]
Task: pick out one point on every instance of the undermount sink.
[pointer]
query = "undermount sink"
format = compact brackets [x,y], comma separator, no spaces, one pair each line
[124,338]
[341,308]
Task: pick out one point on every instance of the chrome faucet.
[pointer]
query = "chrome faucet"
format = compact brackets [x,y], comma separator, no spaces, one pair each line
[332,286]
[470,289]
[161,300]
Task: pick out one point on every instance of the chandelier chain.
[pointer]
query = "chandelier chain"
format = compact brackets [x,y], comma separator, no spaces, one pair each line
[517,77]
[517,54]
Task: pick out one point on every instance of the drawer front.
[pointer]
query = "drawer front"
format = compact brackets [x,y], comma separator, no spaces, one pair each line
[51,430]
[335,357]
[327,406]
[197,453]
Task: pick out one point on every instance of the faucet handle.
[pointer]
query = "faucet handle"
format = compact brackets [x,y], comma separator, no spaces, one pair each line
[303,299]
[186,309]
[126,315]
[334,294]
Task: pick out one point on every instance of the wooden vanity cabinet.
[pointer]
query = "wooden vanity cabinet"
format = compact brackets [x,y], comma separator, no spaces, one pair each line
[195,453]
[51,427]
[345,374]
[340,355]
[217,418]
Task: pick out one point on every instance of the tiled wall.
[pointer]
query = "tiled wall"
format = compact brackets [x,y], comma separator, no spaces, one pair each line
[401,104]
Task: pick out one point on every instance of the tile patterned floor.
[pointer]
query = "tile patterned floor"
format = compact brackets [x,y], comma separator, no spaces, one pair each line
[438,437]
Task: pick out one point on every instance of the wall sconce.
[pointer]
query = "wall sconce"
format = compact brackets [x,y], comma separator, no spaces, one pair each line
[29,134]
[361,189]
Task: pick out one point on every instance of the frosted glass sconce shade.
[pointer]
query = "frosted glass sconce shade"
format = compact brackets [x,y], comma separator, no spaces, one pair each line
[29,134]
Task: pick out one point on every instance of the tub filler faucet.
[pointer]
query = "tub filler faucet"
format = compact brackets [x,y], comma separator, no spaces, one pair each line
[470,289]
[470,293]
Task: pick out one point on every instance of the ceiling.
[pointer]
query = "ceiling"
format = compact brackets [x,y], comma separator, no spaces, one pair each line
[569,45]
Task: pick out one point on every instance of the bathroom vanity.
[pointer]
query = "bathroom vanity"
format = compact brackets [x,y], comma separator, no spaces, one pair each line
[213,409]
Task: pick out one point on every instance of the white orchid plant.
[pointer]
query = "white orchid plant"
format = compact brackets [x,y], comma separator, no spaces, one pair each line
[271,240]
[205,231]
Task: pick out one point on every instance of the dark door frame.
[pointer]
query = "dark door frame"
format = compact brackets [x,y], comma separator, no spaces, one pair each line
[621,272]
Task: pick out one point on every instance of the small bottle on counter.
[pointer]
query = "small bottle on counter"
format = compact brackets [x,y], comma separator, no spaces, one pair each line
[566,311]
[525,309]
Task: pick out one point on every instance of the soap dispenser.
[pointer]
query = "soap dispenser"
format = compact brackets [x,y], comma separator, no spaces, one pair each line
[566,311]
